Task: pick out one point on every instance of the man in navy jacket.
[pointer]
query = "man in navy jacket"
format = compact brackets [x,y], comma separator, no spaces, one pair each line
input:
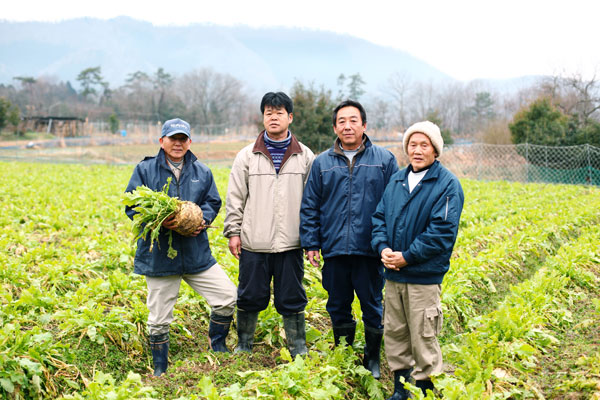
[414,230]
[343,189]
[194,263]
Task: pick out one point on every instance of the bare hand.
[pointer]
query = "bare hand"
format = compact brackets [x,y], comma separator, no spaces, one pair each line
[235,246]
[393,259]
[200,229]
[169,223]
[313,257]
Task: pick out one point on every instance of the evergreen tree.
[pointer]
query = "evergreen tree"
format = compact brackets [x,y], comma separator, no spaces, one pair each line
[434,116]
[541,123]
[9,113]
[91,81]
[313,116]
[355,87]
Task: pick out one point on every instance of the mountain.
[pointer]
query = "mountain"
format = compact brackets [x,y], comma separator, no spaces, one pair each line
[265,59]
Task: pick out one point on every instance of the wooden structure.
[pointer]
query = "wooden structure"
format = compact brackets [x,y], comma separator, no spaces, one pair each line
[59,126]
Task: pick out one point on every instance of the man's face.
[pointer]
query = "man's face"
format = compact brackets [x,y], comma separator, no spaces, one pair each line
[349,127]
[175,146]
[277,122]
[421,152]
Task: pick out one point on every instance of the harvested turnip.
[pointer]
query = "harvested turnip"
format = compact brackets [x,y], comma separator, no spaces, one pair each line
[153,208]
[188,218]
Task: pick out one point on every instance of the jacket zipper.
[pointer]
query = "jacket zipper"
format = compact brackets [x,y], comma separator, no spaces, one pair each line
[281,166]
[276,190]
[179,196]
[351,170]
[446,216]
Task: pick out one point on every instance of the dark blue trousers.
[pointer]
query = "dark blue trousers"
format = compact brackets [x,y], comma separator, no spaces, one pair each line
[254,287]
[345,275]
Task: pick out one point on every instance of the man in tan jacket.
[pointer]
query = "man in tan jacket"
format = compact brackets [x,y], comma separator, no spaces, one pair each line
[263,224]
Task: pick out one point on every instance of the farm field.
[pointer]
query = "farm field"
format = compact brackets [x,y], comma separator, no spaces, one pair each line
[217,152]
[521,302]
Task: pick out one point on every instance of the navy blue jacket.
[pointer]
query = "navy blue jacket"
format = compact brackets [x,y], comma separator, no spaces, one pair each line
[195,184]
[340,197]
[422,225]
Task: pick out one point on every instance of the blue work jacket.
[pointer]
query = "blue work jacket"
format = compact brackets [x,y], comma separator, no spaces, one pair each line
[422,224]
[340,197]
[196,184]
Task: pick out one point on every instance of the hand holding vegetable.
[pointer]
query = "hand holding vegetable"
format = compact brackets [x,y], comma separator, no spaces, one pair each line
[157,209]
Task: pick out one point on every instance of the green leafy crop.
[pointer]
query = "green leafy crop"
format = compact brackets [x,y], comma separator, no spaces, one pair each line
[152,208]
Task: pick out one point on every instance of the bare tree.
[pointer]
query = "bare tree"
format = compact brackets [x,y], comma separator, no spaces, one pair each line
[380,115]
[398,88]
[162,82]
[450,103]
[29,103]
[43,96]
[134,98]
[585,95]
[422,100]
[213,100]
[574,95]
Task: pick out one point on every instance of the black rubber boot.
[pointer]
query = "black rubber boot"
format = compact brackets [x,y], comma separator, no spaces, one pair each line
[347,330]
[424,385]
[246,325]
[159,344]
[218,329]
[372,350]
[295,332]
[399,392]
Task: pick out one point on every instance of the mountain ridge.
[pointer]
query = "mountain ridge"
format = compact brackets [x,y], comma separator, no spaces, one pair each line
[263,58]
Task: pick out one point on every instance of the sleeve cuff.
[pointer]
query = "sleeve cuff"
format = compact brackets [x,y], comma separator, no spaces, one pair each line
[381,247]
[408,257]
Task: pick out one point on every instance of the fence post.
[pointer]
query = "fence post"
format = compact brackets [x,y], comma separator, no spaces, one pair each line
[526,162]
[478,161]
[589,162]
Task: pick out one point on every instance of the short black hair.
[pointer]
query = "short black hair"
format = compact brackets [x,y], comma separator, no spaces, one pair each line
[350,103]
[277,100]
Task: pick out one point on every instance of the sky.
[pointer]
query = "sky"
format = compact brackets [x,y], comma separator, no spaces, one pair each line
[466,39]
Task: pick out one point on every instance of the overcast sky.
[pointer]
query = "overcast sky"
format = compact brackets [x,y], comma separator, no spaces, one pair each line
[466,39]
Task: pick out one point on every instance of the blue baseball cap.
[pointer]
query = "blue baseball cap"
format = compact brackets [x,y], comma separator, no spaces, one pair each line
[175,126]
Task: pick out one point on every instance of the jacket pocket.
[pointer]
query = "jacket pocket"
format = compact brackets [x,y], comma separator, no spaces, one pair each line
[432,322]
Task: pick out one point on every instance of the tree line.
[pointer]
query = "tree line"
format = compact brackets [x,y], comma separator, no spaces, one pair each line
[556,110]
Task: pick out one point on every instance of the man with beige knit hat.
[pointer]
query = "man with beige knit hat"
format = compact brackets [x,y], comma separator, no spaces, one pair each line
[414,230]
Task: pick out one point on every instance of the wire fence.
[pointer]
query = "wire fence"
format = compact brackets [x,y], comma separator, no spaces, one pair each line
[522,163]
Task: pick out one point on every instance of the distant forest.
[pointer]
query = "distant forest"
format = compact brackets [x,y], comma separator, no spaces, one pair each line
[213,102]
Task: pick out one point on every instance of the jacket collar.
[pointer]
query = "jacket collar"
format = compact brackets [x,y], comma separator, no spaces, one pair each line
[188,159]
[337,148]
[261,147]
[432,173]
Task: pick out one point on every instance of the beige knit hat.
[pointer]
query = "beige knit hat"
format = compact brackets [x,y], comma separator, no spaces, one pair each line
[427,128]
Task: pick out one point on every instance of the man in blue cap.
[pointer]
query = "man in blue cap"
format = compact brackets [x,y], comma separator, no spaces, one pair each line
[194,263]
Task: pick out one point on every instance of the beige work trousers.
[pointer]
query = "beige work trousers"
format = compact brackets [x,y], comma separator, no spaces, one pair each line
[412,322]
[213,284]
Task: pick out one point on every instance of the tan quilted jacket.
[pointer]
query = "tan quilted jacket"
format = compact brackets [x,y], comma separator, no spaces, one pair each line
[263,207]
